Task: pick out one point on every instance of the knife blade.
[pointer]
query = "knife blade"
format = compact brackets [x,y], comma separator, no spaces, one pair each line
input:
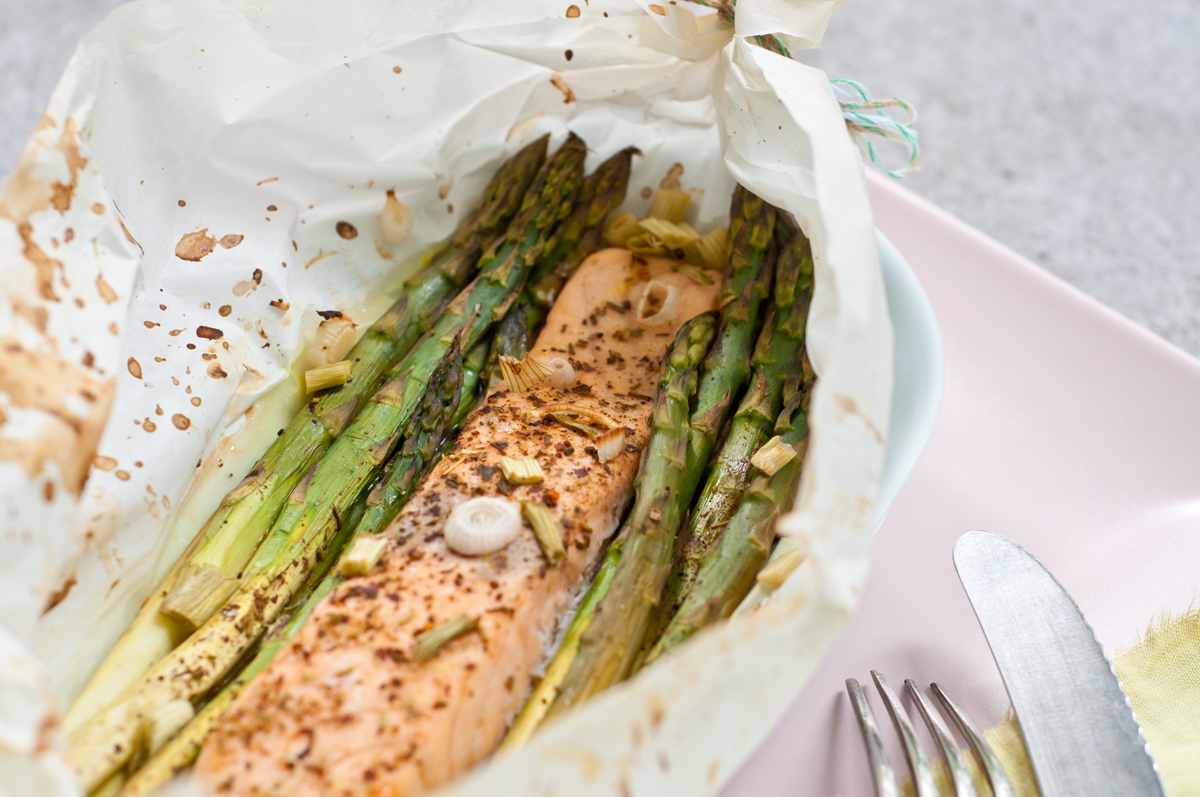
[1078,726]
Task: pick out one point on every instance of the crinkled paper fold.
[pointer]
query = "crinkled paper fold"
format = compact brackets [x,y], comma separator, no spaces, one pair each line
[174,224]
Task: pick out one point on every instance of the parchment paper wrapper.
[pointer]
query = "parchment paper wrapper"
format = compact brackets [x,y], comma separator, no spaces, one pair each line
[191,169]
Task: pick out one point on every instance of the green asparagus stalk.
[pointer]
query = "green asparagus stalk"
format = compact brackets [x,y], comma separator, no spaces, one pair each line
[578,236]
[228,539]
[181,751]
[726,573]
[512,339]
[542,696]
[726,370]
[774,356]
[418,453]
[608,647]
[298,537]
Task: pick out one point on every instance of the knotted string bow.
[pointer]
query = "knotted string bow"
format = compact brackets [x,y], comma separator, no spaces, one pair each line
[865,117]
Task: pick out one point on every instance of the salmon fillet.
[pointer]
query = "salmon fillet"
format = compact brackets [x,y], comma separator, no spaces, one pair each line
[346,708]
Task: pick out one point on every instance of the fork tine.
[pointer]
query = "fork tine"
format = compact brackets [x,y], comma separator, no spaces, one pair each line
[1001,787]
[881,768]
[963,785]
[917,763]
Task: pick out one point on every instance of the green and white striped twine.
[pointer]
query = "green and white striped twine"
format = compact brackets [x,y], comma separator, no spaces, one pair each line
[865,116]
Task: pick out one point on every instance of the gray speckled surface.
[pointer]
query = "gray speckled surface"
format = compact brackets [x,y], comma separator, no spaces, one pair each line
[1062,129]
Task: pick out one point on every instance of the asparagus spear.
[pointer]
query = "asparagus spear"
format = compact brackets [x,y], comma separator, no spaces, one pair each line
[298,538]
[782,336]
[612,640]
[229,538]
[542,696]
[726,370]
[512,339]
[179,753]
[726,573]
[417,455]
[578,236]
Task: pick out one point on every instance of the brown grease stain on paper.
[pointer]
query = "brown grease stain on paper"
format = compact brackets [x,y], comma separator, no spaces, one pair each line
[36,315]
[195,245]
[39,381]
[561,85]
[59,595]
[106,291]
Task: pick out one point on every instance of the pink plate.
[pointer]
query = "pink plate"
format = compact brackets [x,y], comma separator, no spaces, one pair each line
[1064,426]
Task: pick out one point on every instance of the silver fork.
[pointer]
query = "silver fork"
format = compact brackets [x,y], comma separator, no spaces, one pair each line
[881,769]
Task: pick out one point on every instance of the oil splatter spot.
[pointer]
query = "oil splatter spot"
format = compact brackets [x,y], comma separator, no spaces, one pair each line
[271,208]
[671,179]
[60,594]
[662,12]
[135,368]
[572,12]
[209,333]
[195,401]
[216,371]
[39,317]
[123,475]
[104,463]
[151,324]
[230,241]
[98,209]
[149,425]
[195,245]
[268,180]
[280,304]
[225,310]
[181,421]
[561,85]
[182,203]
[321,255]
[347,230]
[68,235]
[42,263]
[176,332]
[647,193]
[569,55]
[397,70]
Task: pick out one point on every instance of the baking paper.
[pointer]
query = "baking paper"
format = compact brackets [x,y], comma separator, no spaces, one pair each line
[174,225]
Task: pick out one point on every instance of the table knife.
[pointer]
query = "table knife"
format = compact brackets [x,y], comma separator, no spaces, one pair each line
[1078,726]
